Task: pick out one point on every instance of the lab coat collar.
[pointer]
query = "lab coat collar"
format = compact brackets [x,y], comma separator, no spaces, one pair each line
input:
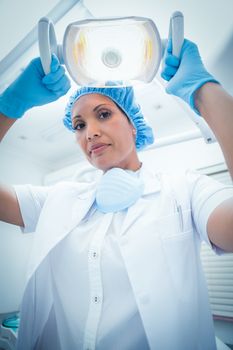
[79,209]
[152,185]
[151,180]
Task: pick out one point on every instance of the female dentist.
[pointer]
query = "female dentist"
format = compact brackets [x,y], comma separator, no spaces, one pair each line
[116,263]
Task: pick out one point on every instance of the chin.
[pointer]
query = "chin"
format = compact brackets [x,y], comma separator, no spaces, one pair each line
[104,165]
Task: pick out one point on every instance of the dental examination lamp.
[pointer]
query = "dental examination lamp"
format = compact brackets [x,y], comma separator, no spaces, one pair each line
[127,49]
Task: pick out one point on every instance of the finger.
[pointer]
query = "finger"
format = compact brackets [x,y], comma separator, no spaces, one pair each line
[63,91]
[54,63]
[169,45]
[53,77]
[169,70]
[66,88]
[166,76]
[171,60]
[59,85]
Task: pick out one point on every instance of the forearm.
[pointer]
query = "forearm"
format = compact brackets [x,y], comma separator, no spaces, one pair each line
[216,107]
[5,124]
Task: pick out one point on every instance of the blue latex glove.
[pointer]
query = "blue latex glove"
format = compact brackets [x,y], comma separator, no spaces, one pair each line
[34,88]
[185,74]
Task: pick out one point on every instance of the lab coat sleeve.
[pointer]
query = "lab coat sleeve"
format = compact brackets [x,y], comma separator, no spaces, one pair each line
[206,195]
[31,200]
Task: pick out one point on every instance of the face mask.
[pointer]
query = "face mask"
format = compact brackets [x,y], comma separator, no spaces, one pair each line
[117,190]
[94,51]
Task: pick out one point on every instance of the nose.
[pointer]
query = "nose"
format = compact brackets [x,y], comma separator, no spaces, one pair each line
[92,130]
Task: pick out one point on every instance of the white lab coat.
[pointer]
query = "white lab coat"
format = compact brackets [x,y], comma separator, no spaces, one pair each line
[164,269]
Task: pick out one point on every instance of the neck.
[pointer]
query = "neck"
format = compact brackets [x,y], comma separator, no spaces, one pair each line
[137,167]
[132,167]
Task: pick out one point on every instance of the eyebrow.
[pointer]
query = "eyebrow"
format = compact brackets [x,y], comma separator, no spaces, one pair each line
[102,104]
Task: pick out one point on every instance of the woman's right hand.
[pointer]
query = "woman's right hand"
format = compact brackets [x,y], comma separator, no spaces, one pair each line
[33,88]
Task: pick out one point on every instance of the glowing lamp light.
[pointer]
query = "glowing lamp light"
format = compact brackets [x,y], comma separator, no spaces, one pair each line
[95,51]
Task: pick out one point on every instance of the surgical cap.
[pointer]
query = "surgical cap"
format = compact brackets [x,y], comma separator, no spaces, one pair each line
[124,98]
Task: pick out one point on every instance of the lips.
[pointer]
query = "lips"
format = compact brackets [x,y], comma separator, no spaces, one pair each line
[98,147]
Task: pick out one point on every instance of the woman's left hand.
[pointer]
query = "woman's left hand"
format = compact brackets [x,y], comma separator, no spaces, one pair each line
[185,75]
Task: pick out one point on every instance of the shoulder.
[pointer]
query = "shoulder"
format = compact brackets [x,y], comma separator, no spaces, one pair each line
[198,188]
[186,185]
[68,188]
[191,182]
[179,176]
[183,179]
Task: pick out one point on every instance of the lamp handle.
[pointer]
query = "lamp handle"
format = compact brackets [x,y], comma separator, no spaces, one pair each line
[176,32]
[47,43]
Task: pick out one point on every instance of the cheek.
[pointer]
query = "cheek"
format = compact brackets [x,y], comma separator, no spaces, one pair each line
[120,131]
[81,141]
[125,135]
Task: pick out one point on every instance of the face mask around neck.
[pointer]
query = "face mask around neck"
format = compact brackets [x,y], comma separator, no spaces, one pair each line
[118,189]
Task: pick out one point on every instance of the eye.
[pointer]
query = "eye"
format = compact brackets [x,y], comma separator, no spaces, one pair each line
[79,126]
[104,114]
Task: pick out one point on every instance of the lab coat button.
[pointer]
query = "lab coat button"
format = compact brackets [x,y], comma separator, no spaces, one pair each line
[96,299]
[95,255]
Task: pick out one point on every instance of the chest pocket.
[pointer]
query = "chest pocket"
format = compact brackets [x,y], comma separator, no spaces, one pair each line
[178,225]
[178,244]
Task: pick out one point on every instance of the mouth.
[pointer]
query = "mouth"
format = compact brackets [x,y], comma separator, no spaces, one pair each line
[98,149]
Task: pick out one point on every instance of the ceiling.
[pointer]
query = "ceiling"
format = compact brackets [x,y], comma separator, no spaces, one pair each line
[41,134]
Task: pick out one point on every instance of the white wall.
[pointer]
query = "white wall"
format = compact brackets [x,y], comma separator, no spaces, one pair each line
[14,246]
[193,154]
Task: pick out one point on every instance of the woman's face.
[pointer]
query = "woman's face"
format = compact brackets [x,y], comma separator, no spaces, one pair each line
[104,133]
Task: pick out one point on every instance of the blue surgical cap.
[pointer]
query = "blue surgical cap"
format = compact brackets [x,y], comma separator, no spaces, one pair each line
[124,97]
